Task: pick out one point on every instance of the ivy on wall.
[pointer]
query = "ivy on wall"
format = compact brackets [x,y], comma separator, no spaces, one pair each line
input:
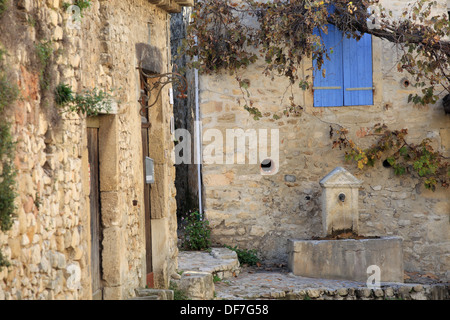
[9,92]
[391,147]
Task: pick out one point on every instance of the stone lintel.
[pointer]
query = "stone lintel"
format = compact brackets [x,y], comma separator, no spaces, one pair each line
[172,6]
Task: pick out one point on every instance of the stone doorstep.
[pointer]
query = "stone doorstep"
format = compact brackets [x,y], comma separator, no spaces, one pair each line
[199,269]
[153,294]
[220,262]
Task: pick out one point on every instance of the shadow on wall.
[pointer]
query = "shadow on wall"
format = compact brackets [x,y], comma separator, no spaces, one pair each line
[150,58]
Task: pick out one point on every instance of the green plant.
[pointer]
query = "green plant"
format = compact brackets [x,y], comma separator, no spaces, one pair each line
[216,278]
[3,6]
[282,33]
[246,256]
[63,95]
[88,102]
[38,202]
[3,261]
[9,92]
[44,52]
[401,156]
[197,234]
[178,294]
[82,4]
[7,177]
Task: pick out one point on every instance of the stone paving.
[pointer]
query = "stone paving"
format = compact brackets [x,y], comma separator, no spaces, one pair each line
[278,283]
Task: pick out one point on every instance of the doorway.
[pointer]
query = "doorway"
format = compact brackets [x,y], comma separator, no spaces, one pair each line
[145,126]
[96,227]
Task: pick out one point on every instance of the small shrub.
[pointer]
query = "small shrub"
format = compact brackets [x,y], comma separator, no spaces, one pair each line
[3,6]
[246,256]
[88,102]
[197,232]
[7,177]
[63,95]
[3,261]
[178,294]
[82,4]
[44,52]
[9,92]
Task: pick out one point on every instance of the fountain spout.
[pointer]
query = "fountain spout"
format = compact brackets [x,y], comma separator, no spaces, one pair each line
[340,202]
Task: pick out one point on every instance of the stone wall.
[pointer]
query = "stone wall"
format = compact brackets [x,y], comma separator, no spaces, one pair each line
[49,244]
[256,211]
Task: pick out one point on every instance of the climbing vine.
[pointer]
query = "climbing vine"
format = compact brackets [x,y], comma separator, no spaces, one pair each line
[392,148]
[9,92]
[230,35]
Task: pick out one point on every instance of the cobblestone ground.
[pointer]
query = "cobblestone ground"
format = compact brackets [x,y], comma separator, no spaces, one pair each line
[276,282]
[256,283]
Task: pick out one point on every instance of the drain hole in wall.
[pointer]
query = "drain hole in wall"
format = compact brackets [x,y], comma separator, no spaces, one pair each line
[405,83]
[267,165]
[386,164]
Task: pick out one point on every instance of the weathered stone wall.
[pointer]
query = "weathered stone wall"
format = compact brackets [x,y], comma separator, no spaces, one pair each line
[261,212]
[49,244]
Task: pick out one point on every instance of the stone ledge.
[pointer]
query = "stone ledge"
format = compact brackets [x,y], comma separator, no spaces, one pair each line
[153,294]
[220,262]
[347,259]
[196,285]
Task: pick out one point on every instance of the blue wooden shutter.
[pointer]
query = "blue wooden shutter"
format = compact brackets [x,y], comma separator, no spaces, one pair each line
[358,80]
[328,91]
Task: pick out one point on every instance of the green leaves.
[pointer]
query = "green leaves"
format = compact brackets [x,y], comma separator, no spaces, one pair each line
[230,35]
[44,52]
[197,233]
[9,93]
[3,6]
[246,256]
[419,160]
[88,102]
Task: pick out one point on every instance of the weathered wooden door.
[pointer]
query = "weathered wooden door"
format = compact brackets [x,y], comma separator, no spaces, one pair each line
[147,204]
[96,229]
[145,126]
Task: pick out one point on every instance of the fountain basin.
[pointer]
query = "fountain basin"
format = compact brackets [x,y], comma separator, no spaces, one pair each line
[347,259]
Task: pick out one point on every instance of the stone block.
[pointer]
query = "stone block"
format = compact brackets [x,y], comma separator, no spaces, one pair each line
[197,285]
[347,259]
[154,294]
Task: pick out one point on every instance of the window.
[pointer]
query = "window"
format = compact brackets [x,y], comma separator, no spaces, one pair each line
[348,77]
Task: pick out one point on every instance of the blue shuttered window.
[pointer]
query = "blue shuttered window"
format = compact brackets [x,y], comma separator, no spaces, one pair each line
[348,75]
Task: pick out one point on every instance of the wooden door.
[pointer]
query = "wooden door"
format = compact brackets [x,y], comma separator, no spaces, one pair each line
[147,204]
[96,229]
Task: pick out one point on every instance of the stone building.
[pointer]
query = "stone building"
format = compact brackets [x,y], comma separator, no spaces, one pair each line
[87,224]
[253,208]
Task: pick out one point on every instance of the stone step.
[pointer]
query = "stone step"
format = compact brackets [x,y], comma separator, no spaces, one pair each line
[199,268]
[153,294]
[220,262]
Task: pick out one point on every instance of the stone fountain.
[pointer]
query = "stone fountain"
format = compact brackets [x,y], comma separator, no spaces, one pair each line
[341,253]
